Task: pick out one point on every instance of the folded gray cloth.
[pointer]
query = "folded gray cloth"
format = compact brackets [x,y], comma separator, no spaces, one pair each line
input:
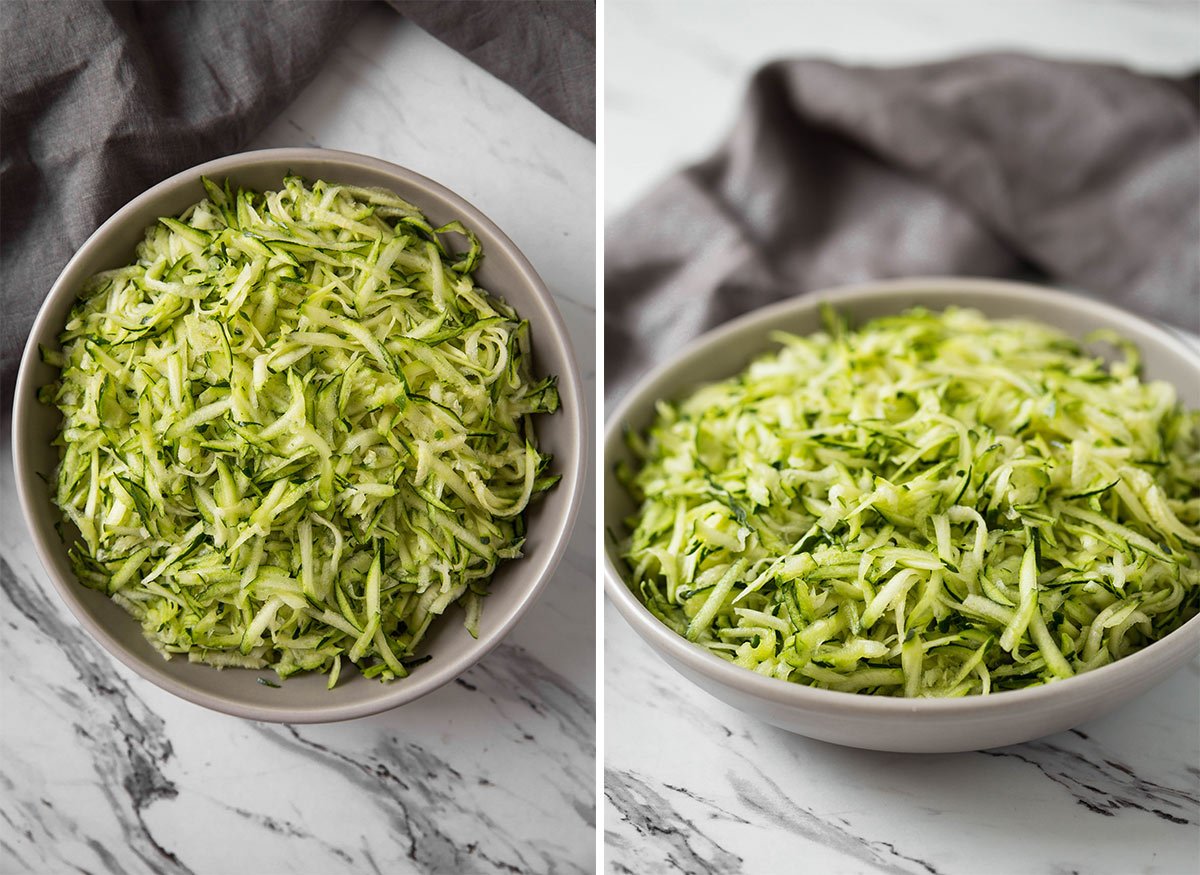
[546,50]
[1003,165]
[102,101]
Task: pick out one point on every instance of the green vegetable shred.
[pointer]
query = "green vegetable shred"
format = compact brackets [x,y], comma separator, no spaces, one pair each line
[934,504]
[295,430]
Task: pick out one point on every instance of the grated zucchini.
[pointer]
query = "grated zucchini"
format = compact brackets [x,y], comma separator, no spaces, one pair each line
[296,430]
[934,504]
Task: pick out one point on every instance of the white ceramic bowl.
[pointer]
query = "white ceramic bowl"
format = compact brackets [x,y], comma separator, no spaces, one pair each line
[304,698]
[877,722]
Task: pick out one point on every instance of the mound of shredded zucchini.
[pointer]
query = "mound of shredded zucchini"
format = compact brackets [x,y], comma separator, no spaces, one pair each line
[934,504]
[295,430]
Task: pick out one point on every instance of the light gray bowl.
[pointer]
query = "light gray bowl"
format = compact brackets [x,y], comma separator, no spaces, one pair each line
[304,698]
[876,722]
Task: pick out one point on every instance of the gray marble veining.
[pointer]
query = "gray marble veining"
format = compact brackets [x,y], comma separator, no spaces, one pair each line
[691,785]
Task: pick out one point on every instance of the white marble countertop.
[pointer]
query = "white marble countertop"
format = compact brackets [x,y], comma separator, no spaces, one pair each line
[103,772]
[691,785]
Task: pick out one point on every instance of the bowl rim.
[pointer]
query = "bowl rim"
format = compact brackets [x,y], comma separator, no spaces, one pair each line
[391,695]
[696,658]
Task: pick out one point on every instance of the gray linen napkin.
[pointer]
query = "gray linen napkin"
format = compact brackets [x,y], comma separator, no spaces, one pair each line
[99,102]
[1000,165]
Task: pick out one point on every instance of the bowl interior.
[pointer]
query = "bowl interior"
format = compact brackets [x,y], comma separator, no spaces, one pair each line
[504,272]
[730,348]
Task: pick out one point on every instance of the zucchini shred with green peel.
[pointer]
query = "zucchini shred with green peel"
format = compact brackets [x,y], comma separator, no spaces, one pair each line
[295,431]
[933,505]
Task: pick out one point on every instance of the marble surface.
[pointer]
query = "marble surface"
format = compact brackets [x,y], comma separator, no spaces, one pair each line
[690,784]
[103,772]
